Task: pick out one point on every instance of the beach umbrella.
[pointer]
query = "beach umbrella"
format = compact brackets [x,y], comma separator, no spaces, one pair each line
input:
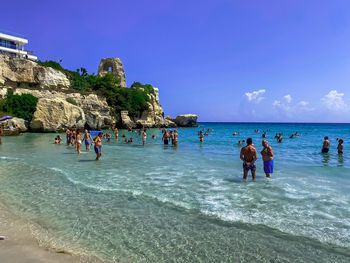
[6,118]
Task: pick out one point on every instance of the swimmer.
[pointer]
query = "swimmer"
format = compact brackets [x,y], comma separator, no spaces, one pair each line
[153,137]
[166,137]
[144,136]
[98,146]
[175,138]
[326,145]
[249,155]
[267,156]
[108,136]
[131,140]
[78,144]
[340,146]
[116,132]
[88,140]
[200,136]
[239,143]
[68,136]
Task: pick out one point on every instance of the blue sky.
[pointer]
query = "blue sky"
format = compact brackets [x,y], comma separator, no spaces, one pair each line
[223,60]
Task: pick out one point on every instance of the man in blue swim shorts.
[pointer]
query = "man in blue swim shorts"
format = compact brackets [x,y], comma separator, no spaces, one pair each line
[267,156]
[249,155]
[98,146]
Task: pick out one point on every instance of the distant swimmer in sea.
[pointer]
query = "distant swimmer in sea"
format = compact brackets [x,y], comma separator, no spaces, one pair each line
[340,146]
[326,145]
[108,137]
[264,134]
[153,137]
[166,137]
[144,136]
[68,136]
[78,145]
[280,139]
[171,136]
[116,132]
[249,155]
[200,134]
[88,140]
[58,139]
[239,143]
[98,146]
[276,136]
[131,140]
[234,133]
[267,156]
[175,138]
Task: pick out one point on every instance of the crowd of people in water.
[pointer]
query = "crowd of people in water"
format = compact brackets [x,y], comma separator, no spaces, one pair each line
[248,153]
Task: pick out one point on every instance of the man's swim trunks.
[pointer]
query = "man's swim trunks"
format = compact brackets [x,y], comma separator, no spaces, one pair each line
[98,149]
[268,167]
[250,167]
[325,150]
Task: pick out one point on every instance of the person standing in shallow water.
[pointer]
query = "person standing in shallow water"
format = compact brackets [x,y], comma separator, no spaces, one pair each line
[98,146]
[267,156]
[326,145]
[200,134]
[249,155]
[144,136]
[78,143]
[340,146]
[88,140]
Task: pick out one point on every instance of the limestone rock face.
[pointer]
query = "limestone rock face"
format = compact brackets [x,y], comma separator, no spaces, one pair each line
[114,66]
[126,121]
[52,78]
[17,72]
[186,120]
[53,115]
[96,109]
[22,123]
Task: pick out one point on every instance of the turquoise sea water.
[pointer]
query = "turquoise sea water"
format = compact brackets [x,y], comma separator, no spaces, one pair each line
[186,204]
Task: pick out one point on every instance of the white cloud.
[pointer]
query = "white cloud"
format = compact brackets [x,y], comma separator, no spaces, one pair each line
[288,98]
[291,110]
[334,101]
[255,95]
[303,103]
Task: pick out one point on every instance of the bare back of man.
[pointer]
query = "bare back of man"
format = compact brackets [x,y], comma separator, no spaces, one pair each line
[249,156]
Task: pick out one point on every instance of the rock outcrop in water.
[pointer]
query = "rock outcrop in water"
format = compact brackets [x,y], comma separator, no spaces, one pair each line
[60,106]
[185,120]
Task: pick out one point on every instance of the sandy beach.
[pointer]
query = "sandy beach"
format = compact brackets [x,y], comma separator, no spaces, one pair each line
[21,247]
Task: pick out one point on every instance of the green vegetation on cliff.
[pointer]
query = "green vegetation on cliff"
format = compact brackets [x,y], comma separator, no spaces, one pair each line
[21,106]
[133,99]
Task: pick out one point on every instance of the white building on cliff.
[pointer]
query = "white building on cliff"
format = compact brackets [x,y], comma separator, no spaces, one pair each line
[13,45]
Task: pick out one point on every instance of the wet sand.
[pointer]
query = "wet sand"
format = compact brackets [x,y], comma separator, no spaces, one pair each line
[21,247]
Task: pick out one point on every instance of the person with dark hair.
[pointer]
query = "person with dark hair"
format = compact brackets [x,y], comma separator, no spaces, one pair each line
[98,146]
[249,155]
[326,145]
[340,146]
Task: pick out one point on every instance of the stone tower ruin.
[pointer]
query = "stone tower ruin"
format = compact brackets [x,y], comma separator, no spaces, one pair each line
[114,66]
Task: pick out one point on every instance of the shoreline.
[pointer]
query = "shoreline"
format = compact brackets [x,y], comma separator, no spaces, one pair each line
[21,246]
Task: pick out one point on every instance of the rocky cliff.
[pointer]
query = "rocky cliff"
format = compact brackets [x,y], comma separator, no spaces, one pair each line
[60,107]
